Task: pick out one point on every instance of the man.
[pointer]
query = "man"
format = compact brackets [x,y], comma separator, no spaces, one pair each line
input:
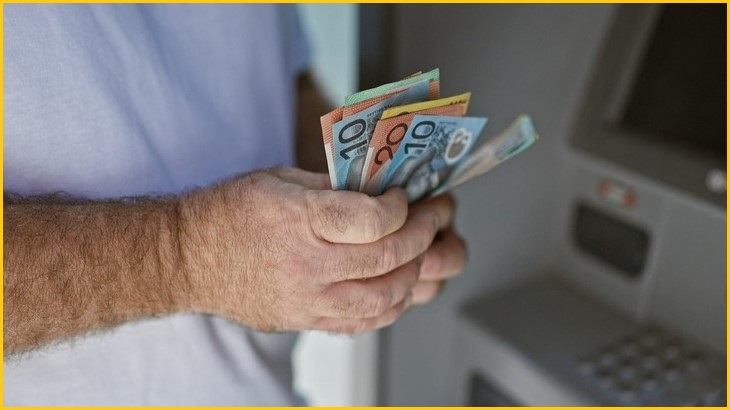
[124,284]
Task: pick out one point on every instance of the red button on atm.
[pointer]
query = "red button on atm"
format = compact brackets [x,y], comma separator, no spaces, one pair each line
[616,194]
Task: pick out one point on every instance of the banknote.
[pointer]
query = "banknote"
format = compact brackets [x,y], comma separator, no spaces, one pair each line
[347,111]
[510,142]
[364,95]
[424,105]
[387,137]
[351,135]
[327,121]
[431,148]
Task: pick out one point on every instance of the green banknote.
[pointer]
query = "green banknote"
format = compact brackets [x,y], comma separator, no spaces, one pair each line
[364,95]
[510,142]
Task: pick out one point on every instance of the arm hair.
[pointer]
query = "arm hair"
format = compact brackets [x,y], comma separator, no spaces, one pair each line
[73,266]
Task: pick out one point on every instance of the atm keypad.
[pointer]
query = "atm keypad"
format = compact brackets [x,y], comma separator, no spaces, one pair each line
[656,368]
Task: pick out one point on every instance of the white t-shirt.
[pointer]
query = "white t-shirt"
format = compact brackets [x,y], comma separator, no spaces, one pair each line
[107,100]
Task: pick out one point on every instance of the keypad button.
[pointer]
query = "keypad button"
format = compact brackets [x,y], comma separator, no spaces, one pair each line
[671,372]
[608,359]
[626,391]
[711,397]
[630,350]
[628,372]
[650,362]
[649,382]
[605,378]
[693,360]
[672,352]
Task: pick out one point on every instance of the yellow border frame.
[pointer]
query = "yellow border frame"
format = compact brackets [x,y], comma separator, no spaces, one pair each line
[228,1]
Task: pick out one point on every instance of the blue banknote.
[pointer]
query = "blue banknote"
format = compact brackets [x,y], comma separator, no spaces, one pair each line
[431,148]
[352,135]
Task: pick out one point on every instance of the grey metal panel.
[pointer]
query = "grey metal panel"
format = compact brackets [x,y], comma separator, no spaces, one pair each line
[584,174]
[690,290]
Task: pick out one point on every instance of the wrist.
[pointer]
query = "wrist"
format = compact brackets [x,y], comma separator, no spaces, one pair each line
[188,240]
[212,244]
[173,284]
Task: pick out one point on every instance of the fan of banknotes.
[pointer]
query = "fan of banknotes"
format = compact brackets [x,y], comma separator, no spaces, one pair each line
[404,134]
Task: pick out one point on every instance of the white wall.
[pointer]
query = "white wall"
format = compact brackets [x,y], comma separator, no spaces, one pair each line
[334,370]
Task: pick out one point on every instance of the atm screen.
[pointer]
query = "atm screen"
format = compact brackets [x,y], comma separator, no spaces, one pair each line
[679,92]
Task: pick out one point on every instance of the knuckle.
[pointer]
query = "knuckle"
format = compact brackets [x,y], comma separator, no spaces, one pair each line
[356,266]
[355,305]
[328,304]
[373,304]
[326,214]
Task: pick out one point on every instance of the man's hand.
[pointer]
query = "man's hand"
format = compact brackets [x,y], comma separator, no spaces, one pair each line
[279,250]
[444,259]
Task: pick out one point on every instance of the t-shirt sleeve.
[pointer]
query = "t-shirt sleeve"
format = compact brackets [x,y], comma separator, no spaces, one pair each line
[296,46]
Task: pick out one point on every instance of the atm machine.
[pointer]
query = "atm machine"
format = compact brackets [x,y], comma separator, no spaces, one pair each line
[627,303]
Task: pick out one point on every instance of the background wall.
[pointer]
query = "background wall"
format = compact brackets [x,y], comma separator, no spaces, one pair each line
[514,58]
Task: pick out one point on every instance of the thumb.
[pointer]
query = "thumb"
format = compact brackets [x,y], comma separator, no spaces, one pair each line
[310,180]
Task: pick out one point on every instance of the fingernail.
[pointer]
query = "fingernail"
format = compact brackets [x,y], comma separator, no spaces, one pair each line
[436,221]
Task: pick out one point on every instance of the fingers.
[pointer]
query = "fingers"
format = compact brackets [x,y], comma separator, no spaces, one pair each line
[354,217]
[357,299]
[374,259]
[444,205]
[367,260]
[426,290]
[358,326]
[445,258]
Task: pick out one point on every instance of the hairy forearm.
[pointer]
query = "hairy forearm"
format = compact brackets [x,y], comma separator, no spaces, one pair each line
[72,267]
